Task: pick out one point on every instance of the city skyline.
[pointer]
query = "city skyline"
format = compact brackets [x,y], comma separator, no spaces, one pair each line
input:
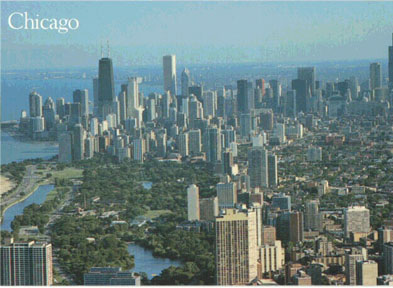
[140,33]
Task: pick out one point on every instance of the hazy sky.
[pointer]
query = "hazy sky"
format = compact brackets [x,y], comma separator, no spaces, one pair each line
[199,32]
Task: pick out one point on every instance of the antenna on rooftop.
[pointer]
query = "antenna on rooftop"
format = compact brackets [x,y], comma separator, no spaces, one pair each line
[102,52]
[109,51]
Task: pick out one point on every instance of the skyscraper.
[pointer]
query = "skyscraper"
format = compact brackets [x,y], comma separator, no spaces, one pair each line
[242,96]
[185,82]
[391,65]
[227,194]
[236,249]
[26,264]
[307,74]
[300,86]
[258,167]
[106,87]
[366,273]
[272,170]
[78,142]
[208,209]
[356,219]
[193,203]
[311,215]
[82,97]
[65,147]
[195,141]
[35,104]
[296,230]
[388,258]
[183,141]
[169,65]
[375,75]
[213,144]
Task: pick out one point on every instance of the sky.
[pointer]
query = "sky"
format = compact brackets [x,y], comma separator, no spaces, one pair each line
[140,33]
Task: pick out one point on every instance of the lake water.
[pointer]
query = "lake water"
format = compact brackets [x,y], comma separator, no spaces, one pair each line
[15,150]
[38,197]
[146,262]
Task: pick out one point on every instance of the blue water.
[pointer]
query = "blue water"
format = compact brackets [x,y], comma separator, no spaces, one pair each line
[14,150]
[38,197]
[147,185]
[146,262]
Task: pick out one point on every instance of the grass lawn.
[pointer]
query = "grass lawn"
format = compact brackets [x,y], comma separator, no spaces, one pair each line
[155,213]
[68,173]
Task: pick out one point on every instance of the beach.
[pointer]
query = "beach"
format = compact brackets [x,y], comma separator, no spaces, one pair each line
[5,184]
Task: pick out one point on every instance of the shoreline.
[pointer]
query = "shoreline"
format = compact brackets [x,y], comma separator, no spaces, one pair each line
[35,187]
[6,184]
[21,137]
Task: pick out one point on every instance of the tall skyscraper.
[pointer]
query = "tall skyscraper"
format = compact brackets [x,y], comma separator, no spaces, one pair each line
[296,230]
[193,203]
[351,257]
[65,147]
[356,219]
[78,142]
[185,82]
[258,167]
[26,264]
[307,74]
[375,75]
[276,87]
[300,86]
[195,141]
[281,201]
[366,273]
[311,215]
[272,170]
[236,249]
[35,103]
[242,96]
[388,258]
[169,65]
[106,87]
[391,65]
[95,96]
[227,194]
[82,97]
[213,144]
[183,141]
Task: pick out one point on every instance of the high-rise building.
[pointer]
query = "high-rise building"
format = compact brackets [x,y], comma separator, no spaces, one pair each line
[193,203]
[78,142]
[65,147]
[296,230]
[106,87]
[49,113]
[242,96]
[307,74]
[245,125]
[290,104]
[169,65]
[35,104]
[272,170]
[109,276]
[268,235]
[375,75]
[281,201]
[183,144]
[213,144]
[82,97]
[356,254]
[227,194]
[139,149]
[356,219]
[210,103]
[276,87]
[236,249]
[185,82]
[391,64]
[60,107]
[208,208]
[366,273]
[300,86]
[388,258]
[258,167]
[311,216]
[272,257]
[195,141]
[26,264]
[227,162]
